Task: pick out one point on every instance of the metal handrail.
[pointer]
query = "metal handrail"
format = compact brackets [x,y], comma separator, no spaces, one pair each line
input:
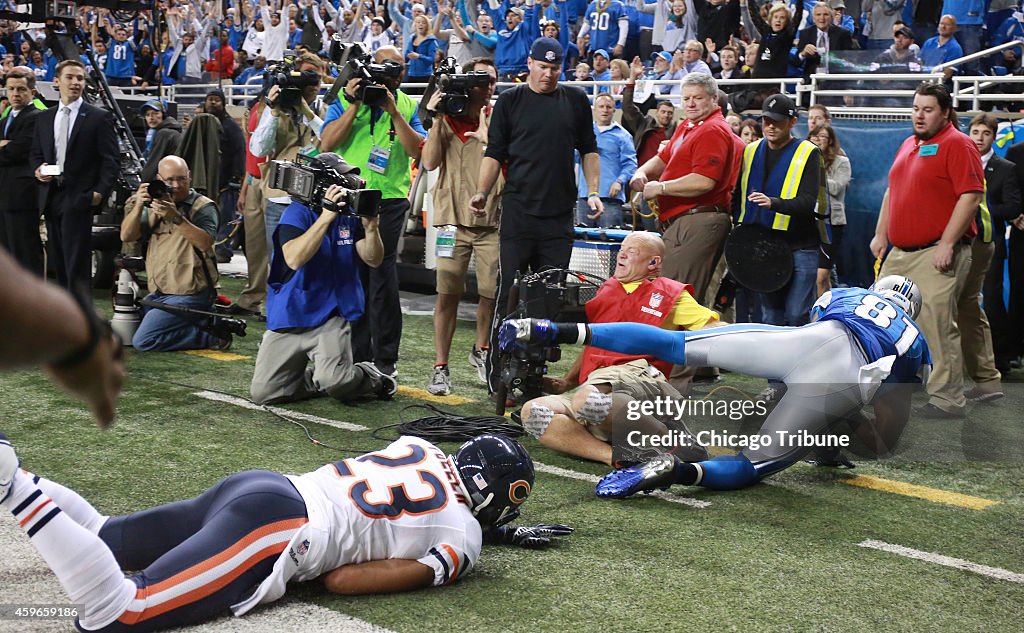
[978,55]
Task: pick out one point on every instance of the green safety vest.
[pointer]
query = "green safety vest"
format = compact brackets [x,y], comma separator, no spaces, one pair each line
[395,181]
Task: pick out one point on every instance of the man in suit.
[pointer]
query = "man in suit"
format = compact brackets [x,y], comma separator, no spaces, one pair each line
[75,156]
[1001,202]
[1015,255]
[19,215]
[817,41]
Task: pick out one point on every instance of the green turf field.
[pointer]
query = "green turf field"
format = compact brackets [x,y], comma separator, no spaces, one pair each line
[783,555]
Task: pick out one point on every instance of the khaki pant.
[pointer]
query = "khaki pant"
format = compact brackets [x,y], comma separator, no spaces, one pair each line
[975,333]
[937,320]
[256,257]
[693,247]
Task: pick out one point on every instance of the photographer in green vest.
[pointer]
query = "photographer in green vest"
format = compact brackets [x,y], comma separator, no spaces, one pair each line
[381,138]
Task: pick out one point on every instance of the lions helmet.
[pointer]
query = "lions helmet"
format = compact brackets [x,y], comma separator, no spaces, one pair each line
[497,474]
[901,291]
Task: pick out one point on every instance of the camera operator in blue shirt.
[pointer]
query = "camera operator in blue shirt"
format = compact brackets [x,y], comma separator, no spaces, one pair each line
[314,293]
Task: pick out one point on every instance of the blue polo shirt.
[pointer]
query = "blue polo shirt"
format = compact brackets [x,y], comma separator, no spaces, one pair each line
[618,161]
[932,54]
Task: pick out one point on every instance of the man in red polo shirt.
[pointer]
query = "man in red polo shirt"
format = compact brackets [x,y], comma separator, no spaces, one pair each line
[927,215]
[595,422]
[692,180]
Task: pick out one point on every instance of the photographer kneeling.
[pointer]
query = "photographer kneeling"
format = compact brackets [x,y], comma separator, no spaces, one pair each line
[314,291]
[180,265]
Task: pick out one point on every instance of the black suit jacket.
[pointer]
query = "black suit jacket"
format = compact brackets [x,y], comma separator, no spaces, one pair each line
[1003,196]
[17,181]
[92,159]
[839,39]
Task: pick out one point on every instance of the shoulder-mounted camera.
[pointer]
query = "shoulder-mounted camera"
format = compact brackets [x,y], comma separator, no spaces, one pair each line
[456,86]
[353,60]
[292,81]
[308,178]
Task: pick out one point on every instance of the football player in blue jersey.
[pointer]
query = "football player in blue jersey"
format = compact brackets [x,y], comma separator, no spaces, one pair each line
[862,347]
[608,25]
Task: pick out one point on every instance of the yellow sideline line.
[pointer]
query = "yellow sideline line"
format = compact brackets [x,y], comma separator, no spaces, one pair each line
[921,492]
[213,354]
[423,394]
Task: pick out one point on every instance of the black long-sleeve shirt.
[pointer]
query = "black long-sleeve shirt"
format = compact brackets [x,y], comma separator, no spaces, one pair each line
[535,135]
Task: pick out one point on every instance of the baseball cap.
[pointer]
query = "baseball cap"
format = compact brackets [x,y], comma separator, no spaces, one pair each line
[517,10]
[778,107]
[905,32]
[548,50]
[153,104]
[837,4]
[665,55]
[602,53]
[419,5]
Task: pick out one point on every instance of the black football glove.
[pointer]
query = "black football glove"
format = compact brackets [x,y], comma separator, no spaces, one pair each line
[529,536]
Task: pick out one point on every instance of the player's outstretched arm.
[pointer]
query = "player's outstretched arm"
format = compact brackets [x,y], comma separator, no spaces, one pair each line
[379,576]
[892,406]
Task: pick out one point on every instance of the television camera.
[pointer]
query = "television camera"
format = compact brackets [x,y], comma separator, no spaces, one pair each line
[291,80]
[456,86]
[555,294]
[308,178]
[353,60]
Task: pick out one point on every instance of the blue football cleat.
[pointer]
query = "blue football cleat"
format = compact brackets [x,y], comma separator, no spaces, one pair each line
[521,331]
[650,475]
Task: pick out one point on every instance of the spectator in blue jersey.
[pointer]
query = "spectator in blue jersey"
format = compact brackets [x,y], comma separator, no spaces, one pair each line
[607,25]
[839,17]
[39,67]
[120,68]
[943,47]
[515,39]
[236,32]
[618,162]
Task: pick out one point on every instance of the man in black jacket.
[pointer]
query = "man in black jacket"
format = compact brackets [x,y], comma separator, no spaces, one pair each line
[232,168]
[1003,204]
[820,39]
[75,156]
[19,215]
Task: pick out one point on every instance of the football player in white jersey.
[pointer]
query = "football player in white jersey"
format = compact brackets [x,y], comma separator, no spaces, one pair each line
[398,519]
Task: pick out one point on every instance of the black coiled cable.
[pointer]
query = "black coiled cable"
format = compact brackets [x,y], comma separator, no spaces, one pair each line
[444,426]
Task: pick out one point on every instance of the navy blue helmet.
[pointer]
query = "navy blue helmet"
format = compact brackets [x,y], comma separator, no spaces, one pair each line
[497,472]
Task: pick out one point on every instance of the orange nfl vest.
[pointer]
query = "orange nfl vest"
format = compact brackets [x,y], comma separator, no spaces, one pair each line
[651,303]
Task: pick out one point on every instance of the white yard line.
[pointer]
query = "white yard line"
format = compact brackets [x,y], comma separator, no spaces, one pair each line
[572,474]
[946,561]
[245,404]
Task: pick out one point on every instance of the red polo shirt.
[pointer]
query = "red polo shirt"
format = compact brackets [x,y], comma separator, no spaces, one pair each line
[706,148]
[926,179]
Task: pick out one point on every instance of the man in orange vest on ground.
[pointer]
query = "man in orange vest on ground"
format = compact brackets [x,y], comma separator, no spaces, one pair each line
[581,423]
